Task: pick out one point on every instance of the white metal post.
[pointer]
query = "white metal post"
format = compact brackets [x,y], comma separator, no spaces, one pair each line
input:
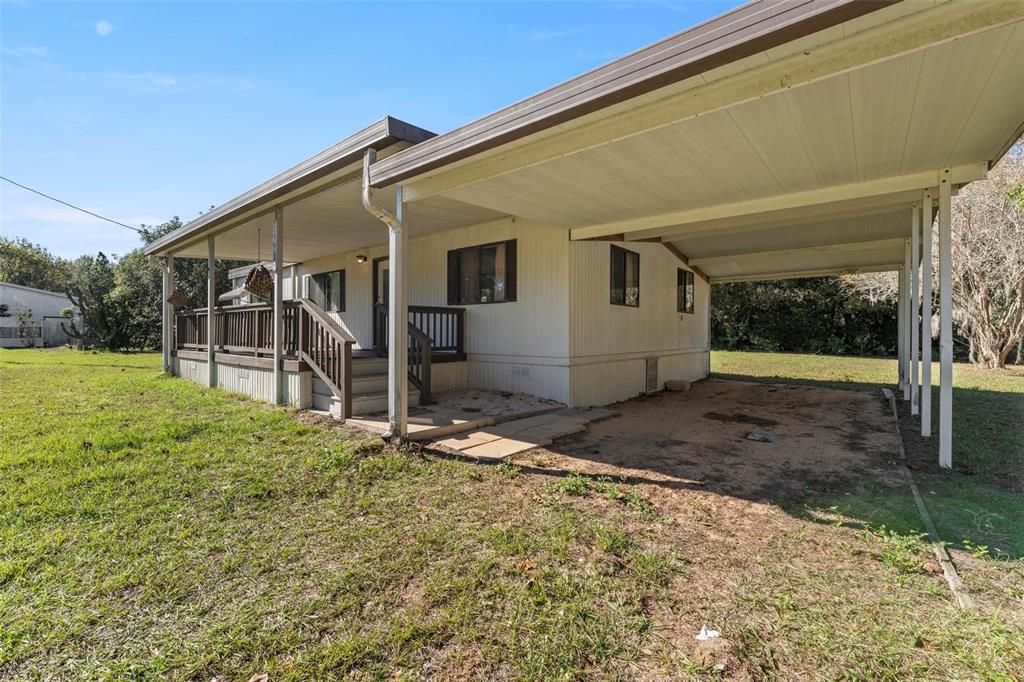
[906,319]
[278,251]
[211,301]
[166,318]
[901,336]
[915,306]
[398,323]
[945,322]
[171,284]
[926,314]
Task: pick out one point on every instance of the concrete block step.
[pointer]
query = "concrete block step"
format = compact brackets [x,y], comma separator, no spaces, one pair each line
[363,366]
[364,383]
[369,403]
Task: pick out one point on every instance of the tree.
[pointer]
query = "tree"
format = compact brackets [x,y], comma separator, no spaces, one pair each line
[814,315]
[30,265]
[988,263]
[103,315]
[190,273]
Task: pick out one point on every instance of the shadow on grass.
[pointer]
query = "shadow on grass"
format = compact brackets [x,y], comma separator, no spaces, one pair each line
[978,504]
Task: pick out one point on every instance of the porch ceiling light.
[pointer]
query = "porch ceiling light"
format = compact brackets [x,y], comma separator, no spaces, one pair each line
[360,258]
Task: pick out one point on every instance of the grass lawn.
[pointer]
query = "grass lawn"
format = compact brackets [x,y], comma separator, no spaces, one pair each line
[152,529]
[982,509]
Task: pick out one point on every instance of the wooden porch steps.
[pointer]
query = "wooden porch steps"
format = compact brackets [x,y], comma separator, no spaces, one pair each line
[369,388]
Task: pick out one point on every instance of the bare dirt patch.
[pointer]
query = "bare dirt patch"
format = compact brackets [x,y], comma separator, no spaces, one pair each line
[825,440]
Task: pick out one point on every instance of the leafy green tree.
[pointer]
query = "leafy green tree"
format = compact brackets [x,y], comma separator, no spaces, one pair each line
[104,319]
[30,265]
[190,273]
[814,315]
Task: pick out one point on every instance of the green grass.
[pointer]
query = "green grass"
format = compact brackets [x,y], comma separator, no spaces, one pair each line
[152,529]
[986,508]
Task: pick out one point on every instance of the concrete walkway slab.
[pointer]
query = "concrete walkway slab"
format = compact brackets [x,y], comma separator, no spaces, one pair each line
[500,441]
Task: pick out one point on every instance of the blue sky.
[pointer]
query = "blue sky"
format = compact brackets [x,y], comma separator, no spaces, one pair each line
[142,111]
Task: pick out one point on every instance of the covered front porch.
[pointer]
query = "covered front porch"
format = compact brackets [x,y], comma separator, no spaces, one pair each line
[295,347]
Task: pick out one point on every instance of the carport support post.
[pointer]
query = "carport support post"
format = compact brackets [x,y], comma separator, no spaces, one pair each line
[211,301]
[278,249]
[926,315]
[398,323]
[901,336]
[168,289]
[945,322]
[906,319]
[915,305]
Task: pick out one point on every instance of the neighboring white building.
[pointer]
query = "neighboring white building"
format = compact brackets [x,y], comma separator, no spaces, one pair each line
[41,327]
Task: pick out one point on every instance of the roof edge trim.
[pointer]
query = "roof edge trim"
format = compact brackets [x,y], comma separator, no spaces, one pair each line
[379,135]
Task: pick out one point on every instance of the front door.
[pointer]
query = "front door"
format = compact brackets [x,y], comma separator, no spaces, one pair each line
[381,288]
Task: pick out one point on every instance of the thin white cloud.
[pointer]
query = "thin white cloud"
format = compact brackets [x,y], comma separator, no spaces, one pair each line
[148,81]
[104,28]
[26,51]
[538,34]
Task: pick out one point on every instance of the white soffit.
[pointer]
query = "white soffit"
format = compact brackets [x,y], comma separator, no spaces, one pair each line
[954,103]
[334,221]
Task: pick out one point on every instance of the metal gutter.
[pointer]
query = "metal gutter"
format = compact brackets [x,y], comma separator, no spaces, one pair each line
[747,30]
[378,136]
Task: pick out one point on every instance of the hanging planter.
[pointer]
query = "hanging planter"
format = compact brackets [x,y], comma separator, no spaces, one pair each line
[178,298]
[259,281]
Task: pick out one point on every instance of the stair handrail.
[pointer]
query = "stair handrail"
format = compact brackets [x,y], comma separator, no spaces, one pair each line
[421,359]
[337,373]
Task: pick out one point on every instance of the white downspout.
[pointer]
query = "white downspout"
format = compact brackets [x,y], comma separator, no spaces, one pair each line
[398,310]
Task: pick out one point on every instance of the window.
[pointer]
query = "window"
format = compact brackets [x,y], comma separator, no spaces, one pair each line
[482,274]
[327,290]
[625,284]
[684,291]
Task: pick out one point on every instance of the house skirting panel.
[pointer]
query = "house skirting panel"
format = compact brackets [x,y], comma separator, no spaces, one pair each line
[536,376]
[254,382]
[612,379]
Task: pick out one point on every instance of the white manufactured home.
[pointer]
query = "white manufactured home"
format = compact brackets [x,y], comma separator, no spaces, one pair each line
[32,317]
[564,246]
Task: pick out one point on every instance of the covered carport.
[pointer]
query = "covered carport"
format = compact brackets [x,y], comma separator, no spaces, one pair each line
[782,139]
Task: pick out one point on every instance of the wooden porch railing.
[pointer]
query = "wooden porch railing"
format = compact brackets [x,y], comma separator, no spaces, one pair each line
[247,329]
[444,326]
[434,332]
[327,349]
[310,335]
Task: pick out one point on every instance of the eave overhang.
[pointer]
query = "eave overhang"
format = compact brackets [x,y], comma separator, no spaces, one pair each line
[382,134]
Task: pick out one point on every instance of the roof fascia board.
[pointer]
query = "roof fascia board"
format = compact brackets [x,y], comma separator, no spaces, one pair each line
[380,135]
[745,31]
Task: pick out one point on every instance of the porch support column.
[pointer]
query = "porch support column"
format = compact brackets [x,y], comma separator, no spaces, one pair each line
[211,301]
[278,249]
[915,306]
[945,322]
[398,323]
[926,314]
[901,330]
[906,320]
[168,313]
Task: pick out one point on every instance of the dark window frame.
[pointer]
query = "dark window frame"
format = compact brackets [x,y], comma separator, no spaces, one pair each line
[341,289]
[625,254]
[686,291]
[455,273]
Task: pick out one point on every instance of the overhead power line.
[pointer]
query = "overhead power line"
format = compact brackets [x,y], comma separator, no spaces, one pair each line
[70,205]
